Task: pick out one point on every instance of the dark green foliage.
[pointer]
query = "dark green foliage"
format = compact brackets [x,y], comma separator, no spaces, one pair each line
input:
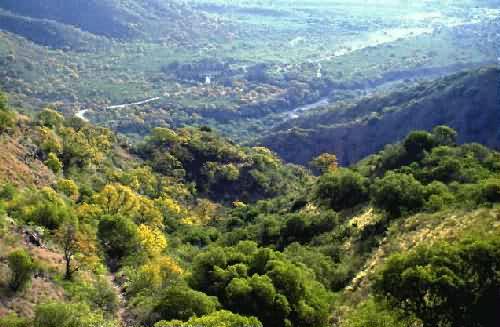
[22,268]
[118,236]
[219,168]
[262,283]
[446,284]
[398,194]
[279,230]
[179,302]
[342,189]
[303,227]
[417,143]
[490,190]
[7,192]
[444,135]
[326,270]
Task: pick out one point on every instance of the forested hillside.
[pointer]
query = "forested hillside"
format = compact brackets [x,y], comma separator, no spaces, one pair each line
[467,101]
[249,163]
[189,229]
[76,24]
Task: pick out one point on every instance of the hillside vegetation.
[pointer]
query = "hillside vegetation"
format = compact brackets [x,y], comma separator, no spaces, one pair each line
[467,101]
[45,22]
[188,229]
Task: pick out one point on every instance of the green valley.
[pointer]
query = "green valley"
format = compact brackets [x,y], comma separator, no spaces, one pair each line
[249,163]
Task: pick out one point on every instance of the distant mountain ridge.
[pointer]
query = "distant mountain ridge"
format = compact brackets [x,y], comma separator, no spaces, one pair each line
[469,102]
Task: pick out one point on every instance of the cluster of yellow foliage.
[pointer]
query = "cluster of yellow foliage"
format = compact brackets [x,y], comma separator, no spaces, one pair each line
[117,199]
[152,240]
[159,270]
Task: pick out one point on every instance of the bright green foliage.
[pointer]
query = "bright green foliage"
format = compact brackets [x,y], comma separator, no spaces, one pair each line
[68,315]
[260,282]
[325,269]
[44,207]
[50,118]
[85,146]
[22,268]
[54,163]
[373,314]
[13,320]
[98,294]
[446,284]
[179,302]
[398,193]
[217,319]
[69,188]
[342,189]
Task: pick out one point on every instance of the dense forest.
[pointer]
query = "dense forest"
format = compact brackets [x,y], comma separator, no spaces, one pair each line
[190,229]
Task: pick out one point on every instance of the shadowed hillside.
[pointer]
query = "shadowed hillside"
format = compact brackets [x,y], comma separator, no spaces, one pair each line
[468,102]
[53,22]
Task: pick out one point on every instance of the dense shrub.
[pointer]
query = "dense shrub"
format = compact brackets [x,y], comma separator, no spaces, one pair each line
[261,282]
[417,143]
[68,315]
[43,207]
[446,285]
[14,321]
[342,189]
[118,236]
[490,191]
[398,194]
[216,319]
[179,302]
[22,268]
[371,313]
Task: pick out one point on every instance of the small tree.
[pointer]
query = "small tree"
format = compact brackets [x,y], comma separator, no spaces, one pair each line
[445,135]
[398,194]
[325,162]
[67,236]
[416,143]
[341,189]
[22,268]
[69,188]
[54,163]
[7,117]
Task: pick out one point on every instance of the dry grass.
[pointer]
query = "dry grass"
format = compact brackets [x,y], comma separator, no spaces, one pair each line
[425,229]
[42,288]
[18,167]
